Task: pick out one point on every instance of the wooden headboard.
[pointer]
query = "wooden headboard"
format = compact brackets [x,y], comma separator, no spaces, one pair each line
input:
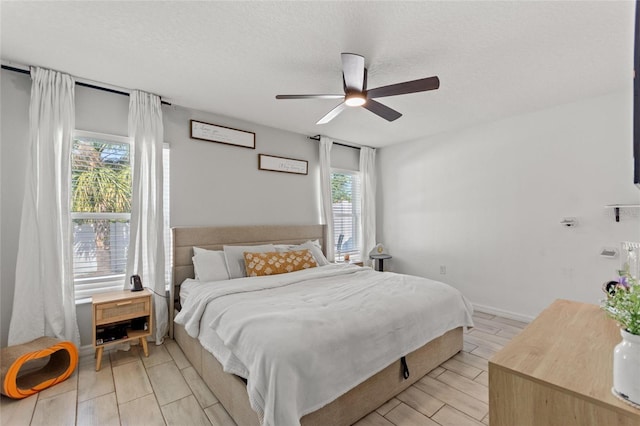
[214,238]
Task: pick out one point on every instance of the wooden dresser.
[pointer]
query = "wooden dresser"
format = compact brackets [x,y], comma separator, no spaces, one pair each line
[559,371]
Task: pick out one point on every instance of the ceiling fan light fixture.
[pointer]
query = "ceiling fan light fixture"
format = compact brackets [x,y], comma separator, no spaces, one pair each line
[356,93]
[355,100]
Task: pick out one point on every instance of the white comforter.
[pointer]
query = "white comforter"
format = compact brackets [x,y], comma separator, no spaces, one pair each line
[303,339]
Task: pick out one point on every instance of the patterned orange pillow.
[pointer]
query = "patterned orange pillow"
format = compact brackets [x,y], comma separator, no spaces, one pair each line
[274,262]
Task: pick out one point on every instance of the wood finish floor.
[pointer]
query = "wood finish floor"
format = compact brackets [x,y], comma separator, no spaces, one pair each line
[164,389]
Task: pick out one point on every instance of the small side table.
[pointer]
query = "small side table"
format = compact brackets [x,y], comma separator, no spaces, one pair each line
[380,258]
[123,312]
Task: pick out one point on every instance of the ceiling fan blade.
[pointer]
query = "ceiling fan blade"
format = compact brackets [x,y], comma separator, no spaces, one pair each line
[309,96]
[421,85]
[382,110]
[353,72]
[332,114]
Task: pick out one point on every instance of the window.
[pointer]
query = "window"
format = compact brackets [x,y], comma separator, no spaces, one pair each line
[101,211]
[345,190]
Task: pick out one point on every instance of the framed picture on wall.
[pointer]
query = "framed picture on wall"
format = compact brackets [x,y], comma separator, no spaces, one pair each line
[282,164]
[221,134]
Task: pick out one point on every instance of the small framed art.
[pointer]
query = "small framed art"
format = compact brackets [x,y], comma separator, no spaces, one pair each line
[282,164]
[214,133]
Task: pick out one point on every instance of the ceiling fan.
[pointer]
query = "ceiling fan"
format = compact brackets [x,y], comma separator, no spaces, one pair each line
[356,94]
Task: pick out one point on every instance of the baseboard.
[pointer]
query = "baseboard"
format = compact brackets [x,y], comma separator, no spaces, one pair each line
[500,312]
[86,350]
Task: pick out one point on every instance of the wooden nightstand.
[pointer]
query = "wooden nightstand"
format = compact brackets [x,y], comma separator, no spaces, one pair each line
[121,316]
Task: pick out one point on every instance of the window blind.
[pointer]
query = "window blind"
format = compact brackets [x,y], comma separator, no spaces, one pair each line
[345,186]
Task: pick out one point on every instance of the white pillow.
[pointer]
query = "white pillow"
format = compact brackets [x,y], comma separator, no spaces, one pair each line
[316,250]
[314,246]
[235,257]
[209,265]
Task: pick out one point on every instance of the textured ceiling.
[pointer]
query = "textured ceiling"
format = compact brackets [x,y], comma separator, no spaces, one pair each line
[494,59]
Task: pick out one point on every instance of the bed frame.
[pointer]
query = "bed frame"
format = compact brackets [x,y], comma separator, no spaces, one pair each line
[231,390]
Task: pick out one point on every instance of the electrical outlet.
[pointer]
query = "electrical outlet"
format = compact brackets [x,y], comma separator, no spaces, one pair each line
[443,270]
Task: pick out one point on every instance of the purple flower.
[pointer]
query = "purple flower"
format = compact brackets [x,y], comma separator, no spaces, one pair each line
[622,281]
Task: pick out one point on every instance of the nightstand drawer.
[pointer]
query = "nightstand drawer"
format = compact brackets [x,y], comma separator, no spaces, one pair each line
[122,310]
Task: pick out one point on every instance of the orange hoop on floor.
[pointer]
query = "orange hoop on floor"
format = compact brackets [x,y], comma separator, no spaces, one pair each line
[63,359]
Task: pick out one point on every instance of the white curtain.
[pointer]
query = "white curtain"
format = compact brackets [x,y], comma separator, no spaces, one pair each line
[325,194]
[368,201]
[43,303]
[146,240]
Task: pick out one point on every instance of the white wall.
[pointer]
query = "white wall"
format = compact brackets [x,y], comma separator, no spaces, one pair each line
[218,184]
[14,133]
[486,203]
[211,183]
[345,158]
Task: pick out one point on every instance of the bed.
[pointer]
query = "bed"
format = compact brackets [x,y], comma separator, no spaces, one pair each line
[232,390]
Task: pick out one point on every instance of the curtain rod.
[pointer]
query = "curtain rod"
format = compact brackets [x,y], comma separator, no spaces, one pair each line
[79,83]
[317,138]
